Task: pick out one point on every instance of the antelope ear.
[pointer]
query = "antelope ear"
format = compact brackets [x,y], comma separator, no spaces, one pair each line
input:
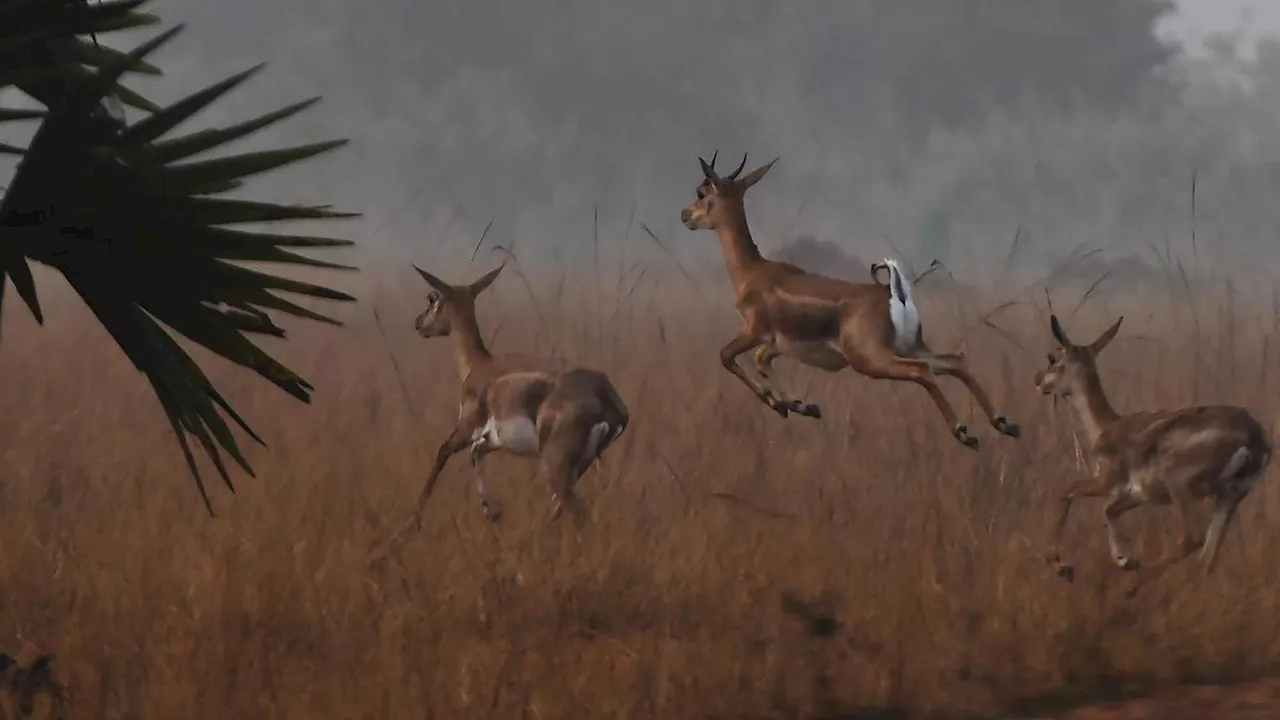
[1106,337]
[1058,333]
[435,282]
[483,283]
[755,176]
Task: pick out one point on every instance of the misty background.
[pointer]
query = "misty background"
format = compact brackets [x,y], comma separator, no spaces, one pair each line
[937,127]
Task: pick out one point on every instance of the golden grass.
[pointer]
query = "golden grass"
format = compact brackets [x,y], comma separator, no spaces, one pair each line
[921,560]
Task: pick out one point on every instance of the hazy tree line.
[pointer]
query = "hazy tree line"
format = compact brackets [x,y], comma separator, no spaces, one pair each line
[941,125]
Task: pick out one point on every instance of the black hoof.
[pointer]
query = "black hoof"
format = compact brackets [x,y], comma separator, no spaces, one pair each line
[808,410]
[1012,429]
[493,512]
[779,407]
[962,434]
[1066,572]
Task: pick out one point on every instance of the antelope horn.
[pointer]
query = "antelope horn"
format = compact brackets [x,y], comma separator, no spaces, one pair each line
[708,170]
[741,165]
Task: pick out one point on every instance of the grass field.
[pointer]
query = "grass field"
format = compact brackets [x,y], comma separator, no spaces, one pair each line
[865,565]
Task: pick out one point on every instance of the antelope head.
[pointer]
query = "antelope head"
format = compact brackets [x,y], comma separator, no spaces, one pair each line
[720,198]
[1072,366]
[448,303]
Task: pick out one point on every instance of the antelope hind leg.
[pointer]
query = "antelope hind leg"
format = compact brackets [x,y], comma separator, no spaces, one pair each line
[566,456]
[954,365]
[491,506]
[892,367]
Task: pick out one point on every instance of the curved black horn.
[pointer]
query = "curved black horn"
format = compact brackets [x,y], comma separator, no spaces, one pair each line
[734,175]
[707,169]
[714,155]
[1059,334]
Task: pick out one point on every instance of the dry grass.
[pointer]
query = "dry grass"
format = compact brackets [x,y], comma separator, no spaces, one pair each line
[919,559]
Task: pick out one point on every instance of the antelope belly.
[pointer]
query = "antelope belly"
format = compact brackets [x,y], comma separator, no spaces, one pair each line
[822,354]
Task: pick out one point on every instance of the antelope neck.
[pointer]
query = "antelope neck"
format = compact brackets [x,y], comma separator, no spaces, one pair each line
[468,344]
[1092,408]
[740,251]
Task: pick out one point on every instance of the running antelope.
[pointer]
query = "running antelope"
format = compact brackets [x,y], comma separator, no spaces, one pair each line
[819,321]
[563,415]
[1166,457]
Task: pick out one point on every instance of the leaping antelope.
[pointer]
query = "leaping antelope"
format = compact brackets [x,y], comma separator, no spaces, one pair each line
[564,415]
[822,322]
[1166,457]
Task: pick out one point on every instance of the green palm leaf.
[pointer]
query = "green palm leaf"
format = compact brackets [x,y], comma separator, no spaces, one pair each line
[134,231]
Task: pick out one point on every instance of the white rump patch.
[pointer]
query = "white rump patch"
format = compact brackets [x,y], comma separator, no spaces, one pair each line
[517,435]
[1237,462]
[598,433]
[902,310]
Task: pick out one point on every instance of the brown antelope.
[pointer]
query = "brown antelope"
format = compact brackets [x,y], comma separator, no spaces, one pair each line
[822,322]
[564,415]
[1166,457]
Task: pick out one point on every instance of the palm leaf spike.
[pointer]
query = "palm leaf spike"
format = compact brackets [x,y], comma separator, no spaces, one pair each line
[134,233]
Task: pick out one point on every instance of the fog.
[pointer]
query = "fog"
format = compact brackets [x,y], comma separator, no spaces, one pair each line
[918,125]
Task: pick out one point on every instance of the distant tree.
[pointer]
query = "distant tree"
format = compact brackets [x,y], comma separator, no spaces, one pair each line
[822,256]
[947,63]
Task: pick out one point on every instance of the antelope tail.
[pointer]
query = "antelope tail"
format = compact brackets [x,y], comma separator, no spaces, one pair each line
[902,307]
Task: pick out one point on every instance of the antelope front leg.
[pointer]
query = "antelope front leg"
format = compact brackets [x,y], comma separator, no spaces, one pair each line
[1090,486]
[764,357]
[954,365]
[456,441]
[729,359]
[1110,514]
[1054,556]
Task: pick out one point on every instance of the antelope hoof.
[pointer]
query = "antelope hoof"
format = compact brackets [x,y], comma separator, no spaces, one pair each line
[962,434]
[778,406]
[1126,563]
[1066,572]
[492,510]
[808,410]
[1012,429]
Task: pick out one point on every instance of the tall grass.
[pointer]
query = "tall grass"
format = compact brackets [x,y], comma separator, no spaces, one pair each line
[736,564]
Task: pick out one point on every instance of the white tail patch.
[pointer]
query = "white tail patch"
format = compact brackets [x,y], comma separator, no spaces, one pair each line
[594,438]
[902,310]
[1235,464]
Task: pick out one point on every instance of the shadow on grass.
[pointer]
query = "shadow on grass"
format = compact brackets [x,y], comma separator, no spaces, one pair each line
[1094,682]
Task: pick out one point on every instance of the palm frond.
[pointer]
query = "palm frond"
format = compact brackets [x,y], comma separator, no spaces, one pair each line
[134,231]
